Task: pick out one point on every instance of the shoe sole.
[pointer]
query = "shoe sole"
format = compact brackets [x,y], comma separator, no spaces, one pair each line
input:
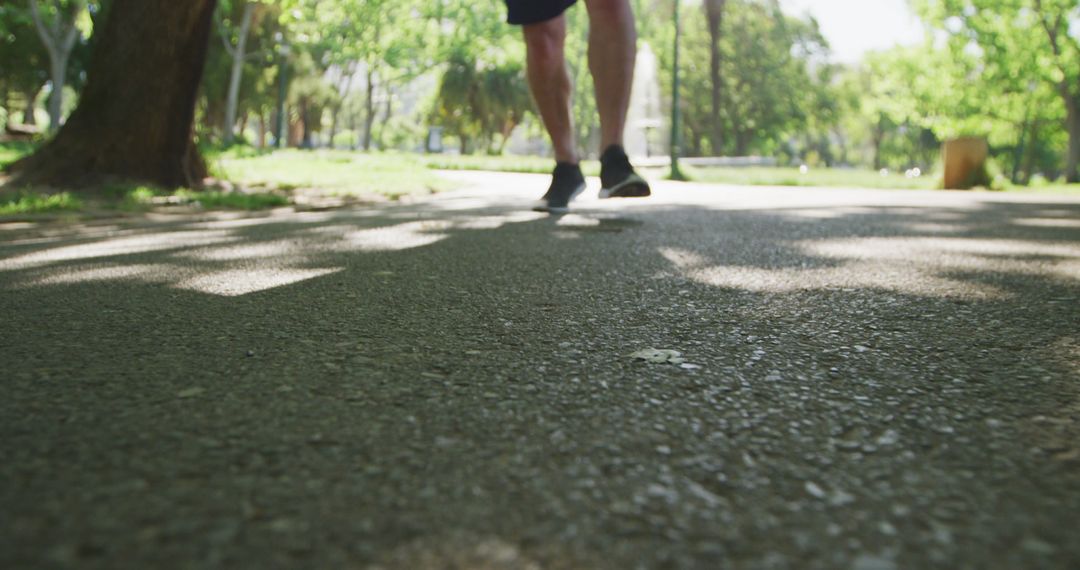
[543,206]
[633,187]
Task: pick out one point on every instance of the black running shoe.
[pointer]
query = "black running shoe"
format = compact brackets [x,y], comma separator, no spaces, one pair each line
[617,177]
[567,182]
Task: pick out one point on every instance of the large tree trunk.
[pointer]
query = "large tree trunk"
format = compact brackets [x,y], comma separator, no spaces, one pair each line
[714,12]
[134,121]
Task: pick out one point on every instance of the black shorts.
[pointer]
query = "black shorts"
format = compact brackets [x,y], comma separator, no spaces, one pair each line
[523,12]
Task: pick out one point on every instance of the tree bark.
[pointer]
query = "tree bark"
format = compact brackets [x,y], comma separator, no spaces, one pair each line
[134,121]
[714,12]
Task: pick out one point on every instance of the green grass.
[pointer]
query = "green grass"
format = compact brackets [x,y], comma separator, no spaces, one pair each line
[270,176]
[527,164]
[215,199]
[1053,188]
[337,173]
[749,176]
[530,164]
[12,151]
[137,198]
[753,176]
[831,177]
[22,203]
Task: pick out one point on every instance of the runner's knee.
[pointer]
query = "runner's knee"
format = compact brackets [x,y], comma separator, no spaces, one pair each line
[607,8]
[545,42]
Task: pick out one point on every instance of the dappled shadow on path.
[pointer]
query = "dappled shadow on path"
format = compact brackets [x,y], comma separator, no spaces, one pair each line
[241,383]
[766,250]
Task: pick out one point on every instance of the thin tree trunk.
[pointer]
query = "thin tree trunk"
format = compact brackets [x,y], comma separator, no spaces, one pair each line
[239,54]
[352,127]
[742,142]
[5,95]
[134,120]
[843,146]
[59,41]
[878,140]
[1029,159]
[369,107]
[504,137]
[261,141]
[333,126]
[1018,156]
[1072,162]
[305,121]
[29,117]
[343,90]
[694,146]
[714,12]
[58,72]
[388,111]
[1054,28]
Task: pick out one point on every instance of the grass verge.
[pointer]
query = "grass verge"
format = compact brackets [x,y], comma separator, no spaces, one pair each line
[12,151]
[136,198]
[333,173]
[814,177]
[25,202]
[525,164]
[216,199]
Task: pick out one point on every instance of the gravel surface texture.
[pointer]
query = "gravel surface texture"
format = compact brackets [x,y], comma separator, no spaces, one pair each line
[860,380]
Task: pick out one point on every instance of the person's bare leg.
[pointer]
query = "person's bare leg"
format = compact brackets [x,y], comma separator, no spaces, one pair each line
[550,83]
[612,57]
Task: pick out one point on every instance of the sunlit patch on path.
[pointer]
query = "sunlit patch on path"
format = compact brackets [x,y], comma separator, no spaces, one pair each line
[241,282]
[906,265]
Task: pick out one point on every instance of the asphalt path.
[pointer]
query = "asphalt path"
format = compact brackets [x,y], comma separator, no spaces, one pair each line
[866,380]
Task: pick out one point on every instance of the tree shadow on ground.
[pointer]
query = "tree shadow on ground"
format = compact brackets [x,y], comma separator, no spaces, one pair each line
[344,387]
